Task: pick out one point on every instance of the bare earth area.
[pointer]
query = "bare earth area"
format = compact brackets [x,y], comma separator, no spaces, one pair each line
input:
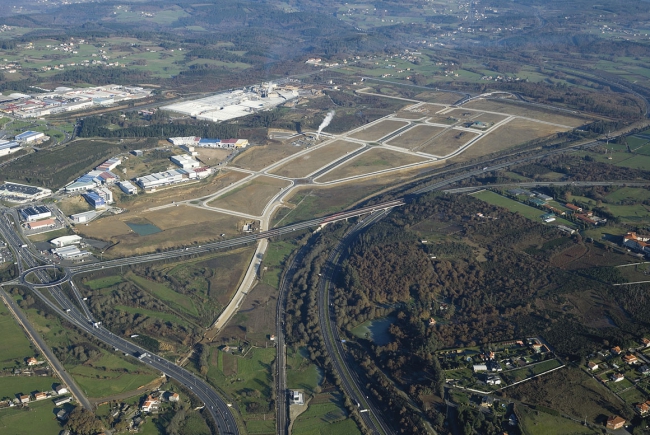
[448,142]
[259,157]
[378,130]
[376,159]
[415,136]
[310,162]
[210,156]
[520,110]
[438,97]
[252,197]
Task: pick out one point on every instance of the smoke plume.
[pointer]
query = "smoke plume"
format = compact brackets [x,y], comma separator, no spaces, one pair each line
[325,123]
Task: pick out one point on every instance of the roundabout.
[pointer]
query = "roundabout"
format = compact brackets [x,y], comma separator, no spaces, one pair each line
[25,274]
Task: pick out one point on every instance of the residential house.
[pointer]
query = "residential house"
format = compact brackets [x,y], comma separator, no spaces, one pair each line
[630,359]
[617,377]
[62,415]
[643,408]
[32,361]
[40,396]
[537,347]
[493,380]
[645,341]
[61,389]
[173,397]
[24,398]
[592,365]
[480,368]
[616,350]
[615,422]
[487,401]
[644,370]
[150,404]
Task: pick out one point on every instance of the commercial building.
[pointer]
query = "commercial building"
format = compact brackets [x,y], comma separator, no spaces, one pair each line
[39,225]
[105,193]
[94,178]
[94,199]
[8,147]
[185,161]
[62,241]
[205,142]
[69,253]
[30,137]
[15,192]
[81,218]
[109,164]
[31,214]
[127,187]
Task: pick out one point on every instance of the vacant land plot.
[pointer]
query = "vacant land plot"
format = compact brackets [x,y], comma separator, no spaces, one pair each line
[629,193]
[490,117]
[526,111]
[515,132]
[408,114]
[307,163]
[210,156]
[259,157]
[541,423]
[325,416]
[15,344]
[180,226]
[252,197]
[376,159]
[73,205]
[100,283]
[529,212]
[438,97]
[415,137]
[38,418]
[379,130]
[255,318]
[276,254]
[448,142]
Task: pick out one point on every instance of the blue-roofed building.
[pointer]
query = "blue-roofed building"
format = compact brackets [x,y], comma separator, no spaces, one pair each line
[94,199]
[206,142]
[30,136]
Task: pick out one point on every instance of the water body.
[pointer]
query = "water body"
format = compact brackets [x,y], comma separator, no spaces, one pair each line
[375,330]
[144,229]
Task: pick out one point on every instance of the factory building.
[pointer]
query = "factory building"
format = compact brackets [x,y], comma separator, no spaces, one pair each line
[69,253]
[109,164]
[81,218]
[30,137]
[187,140]
[105,194]
[94,199]
[39,225]
[127,187]
[208,142]
[38,212]
[15,192]
[166,178]
[137,153]
[8,147]
[185,161]
[60,242]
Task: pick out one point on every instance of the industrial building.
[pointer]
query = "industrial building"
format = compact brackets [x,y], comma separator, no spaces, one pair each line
[8,147]
[109,164]
[195,141]
[137,153]
[30,137]
[15,192]
[60,242]
[237,103]
[39,225]
[32,214]
[94,199]
[166,178]
[104,193]
[69,252]
[81,218]
[127,187]
[185,161]
[100,175]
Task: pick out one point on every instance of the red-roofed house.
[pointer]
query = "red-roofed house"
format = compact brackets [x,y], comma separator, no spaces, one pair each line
[573,207]
[616,350]
[643,408]
[630,359]
[615,422]
[32,361]
[40,396]
[150,404]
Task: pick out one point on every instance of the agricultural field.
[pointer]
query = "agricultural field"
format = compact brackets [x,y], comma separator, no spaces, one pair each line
[182,225]
[448,142]
[316,159]
[373,160]
[540,423]
[415,137]
[301,372]
[517,207]
[256,158]
[39,418]
[252,197]
[16,385]
[515,132]
[16,346]
[512,108]
[379,130]
[275,257]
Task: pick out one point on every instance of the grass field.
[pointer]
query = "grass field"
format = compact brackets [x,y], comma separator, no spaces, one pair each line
[316,159]
[516,207]
[415,136]
[512,108]
[540,423]
[375,159]
[448,142]
[15,344]
[259,157]
[180,226]
[161,291]
[252,197]
[301,373]
[39,418]
[324,416]
[10,386]
[109,281]
[276,254]
[438,97]
[379,130]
